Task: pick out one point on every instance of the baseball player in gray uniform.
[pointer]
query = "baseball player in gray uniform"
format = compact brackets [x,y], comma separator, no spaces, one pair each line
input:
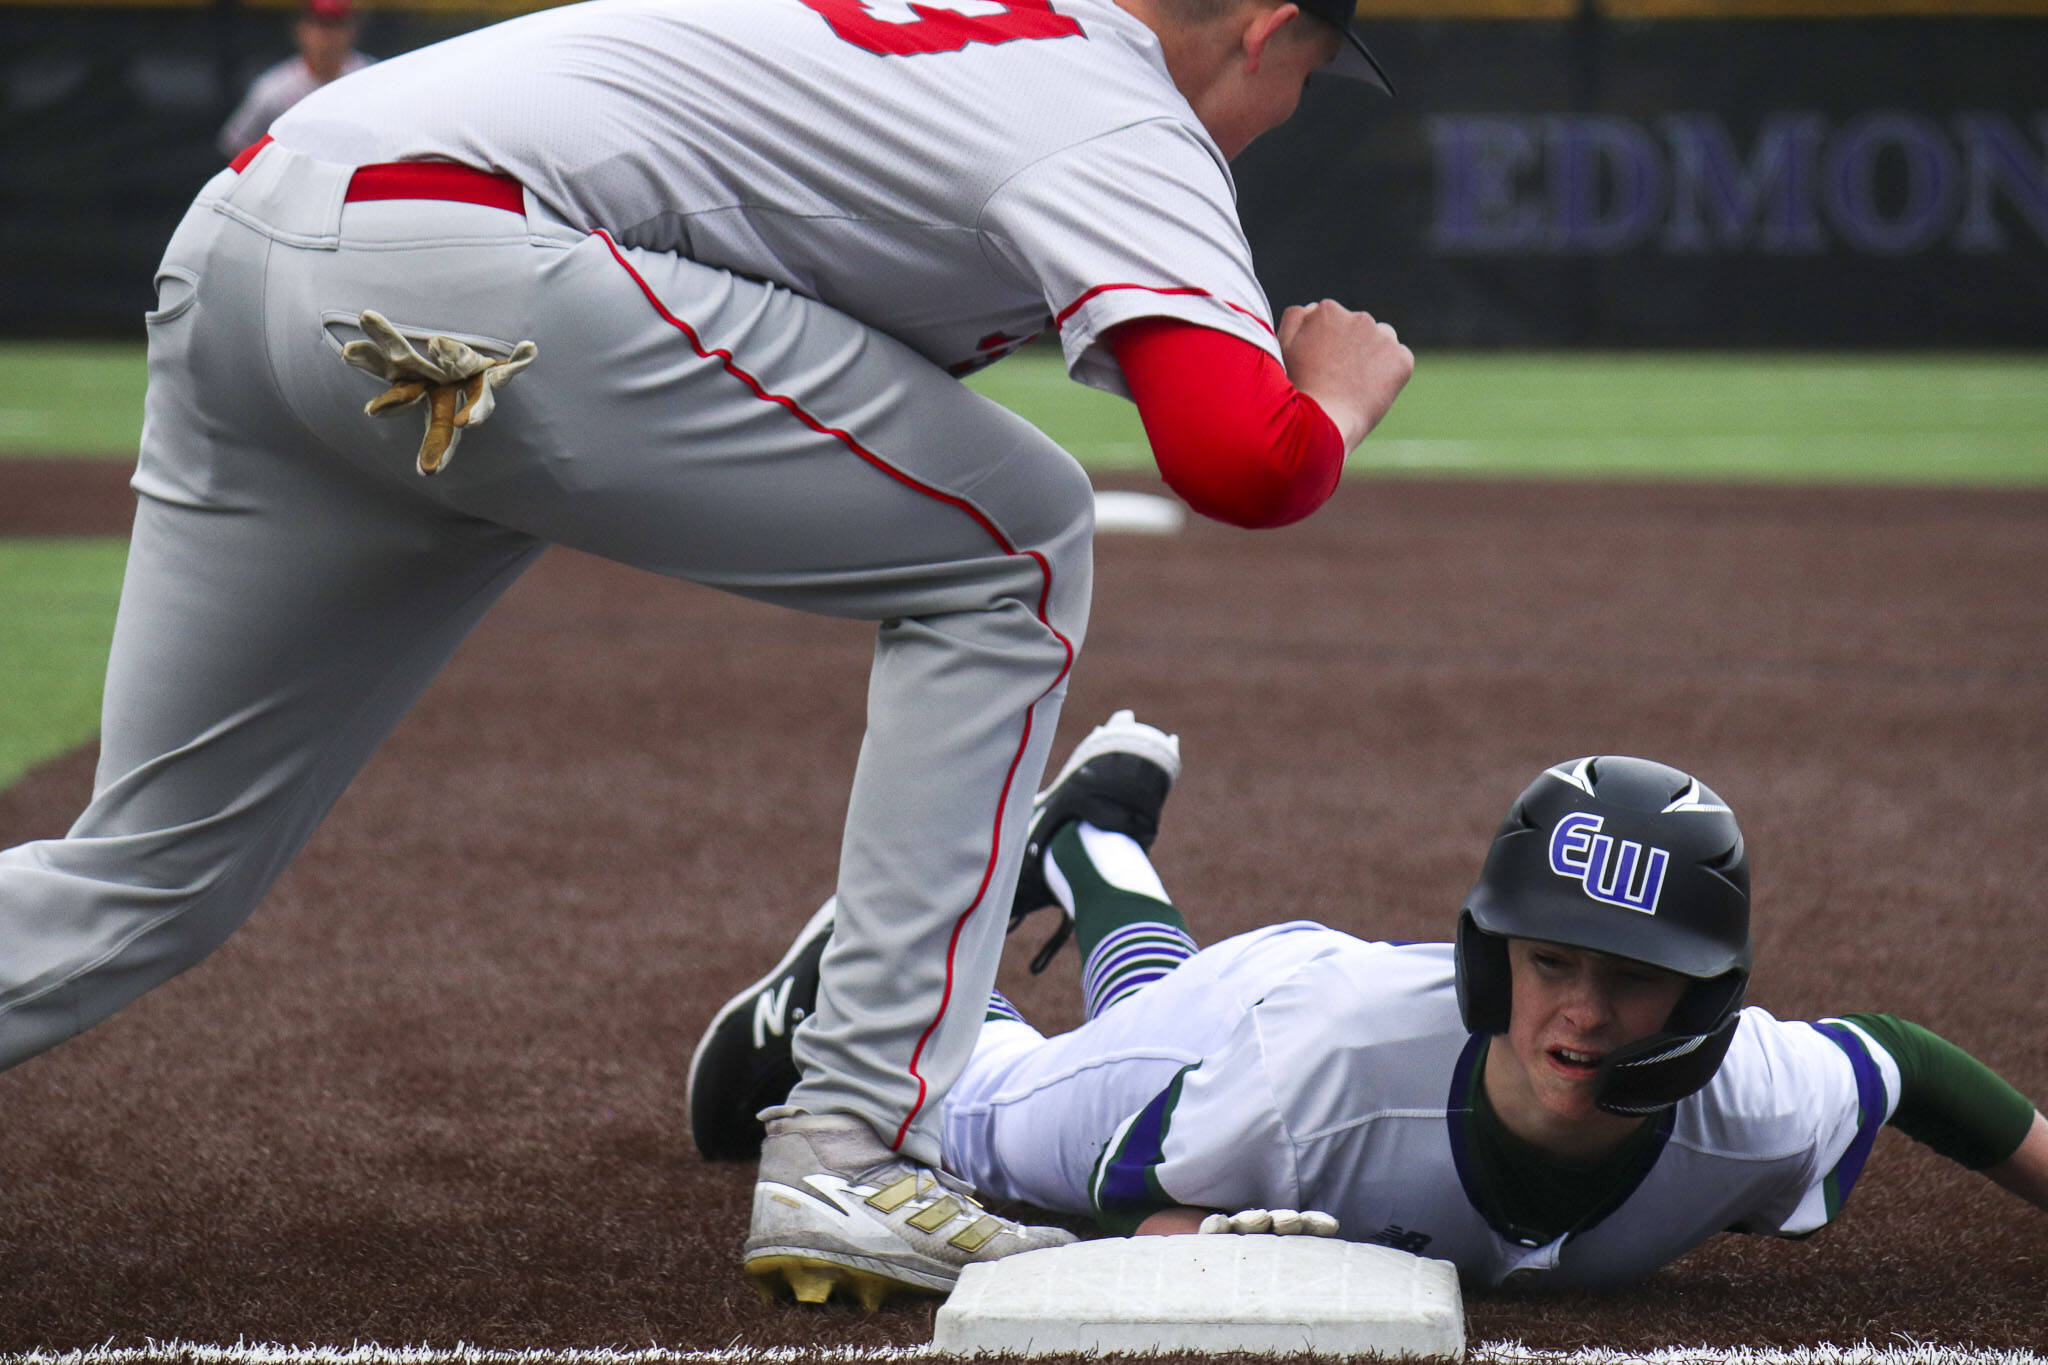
[710,269]
[1570,1094]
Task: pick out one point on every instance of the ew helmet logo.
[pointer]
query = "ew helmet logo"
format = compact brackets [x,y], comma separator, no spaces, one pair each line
[1614,871]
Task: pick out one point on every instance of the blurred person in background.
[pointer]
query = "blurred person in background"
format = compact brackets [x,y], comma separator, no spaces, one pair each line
[326,35]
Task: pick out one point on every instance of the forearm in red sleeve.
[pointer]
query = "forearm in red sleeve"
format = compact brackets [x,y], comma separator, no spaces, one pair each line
[1232,435]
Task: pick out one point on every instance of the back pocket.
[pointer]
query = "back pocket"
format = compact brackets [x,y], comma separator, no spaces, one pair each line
[177,289]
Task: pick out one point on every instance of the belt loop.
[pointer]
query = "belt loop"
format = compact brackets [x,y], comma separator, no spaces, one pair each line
[248,154]
[288,196]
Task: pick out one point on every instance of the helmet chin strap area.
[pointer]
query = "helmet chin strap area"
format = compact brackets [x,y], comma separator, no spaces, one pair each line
[1657,1072]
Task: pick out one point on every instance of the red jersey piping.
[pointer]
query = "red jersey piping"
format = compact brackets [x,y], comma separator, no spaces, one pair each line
[1060,319]
[725,359]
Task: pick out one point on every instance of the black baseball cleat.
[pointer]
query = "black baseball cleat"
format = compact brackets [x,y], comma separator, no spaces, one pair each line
[744,1064]
[1117,779]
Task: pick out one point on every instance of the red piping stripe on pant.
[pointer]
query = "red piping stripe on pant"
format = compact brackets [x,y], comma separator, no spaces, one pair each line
[988,872]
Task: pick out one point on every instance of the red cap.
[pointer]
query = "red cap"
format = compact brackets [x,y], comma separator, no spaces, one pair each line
[330,11]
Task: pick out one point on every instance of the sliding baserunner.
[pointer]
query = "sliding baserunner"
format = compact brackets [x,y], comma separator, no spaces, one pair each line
[1570,1093]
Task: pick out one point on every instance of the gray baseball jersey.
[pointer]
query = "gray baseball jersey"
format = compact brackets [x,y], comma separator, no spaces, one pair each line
[960,176]
[1300,1067]
[752,238]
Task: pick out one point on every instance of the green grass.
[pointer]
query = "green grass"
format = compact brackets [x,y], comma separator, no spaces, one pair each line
[1862,419]
[1101,430]
[1971,419]
[1896,419]
[1804,418]
[56,619]
[71,399]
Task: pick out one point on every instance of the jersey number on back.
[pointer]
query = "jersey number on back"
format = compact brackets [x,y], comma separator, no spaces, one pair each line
[905,28]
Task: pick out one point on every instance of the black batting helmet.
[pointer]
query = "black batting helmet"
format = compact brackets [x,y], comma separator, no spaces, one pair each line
[1631,858]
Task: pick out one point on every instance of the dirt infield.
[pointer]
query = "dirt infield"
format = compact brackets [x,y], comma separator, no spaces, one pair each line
[431,1093]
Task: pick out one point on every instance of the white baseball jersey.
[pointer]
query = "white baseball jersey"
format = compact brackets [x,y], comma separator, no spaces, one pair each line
[1299,1067]
[793,141]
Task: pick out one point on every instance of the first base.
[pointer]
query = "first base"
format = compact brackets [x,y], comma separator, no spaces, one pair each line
[1209,1295]
[1142,513]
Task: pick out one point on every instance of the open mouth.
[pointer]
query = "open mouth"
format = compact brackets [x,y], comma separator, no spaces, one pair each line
[1573,1062]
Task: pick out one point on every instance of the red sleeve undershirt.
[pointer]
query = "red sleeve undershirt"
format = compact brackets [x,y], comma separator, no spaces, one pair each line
[1232,435]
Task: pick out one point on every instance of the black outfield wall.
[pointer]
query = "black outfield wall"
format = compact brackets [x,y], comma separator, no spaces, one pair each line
[1784,182]
[1589,178]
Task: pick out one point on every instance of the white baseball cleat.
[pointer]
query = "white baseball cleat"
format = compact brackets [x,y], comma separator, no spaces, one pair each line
[1117,779]
[835,1208]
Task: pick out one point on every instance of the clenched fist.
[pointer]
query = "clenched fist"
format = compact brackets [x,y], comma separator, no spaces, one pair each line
[1350,363]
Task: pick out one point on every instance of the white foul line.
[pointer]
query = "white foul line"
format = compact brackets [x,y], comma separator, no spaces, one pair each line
[1490,1353]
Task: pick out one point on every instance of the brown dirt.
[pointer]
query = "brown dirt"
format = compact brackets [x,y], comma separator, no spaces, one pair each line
[65,497]
[431,1093]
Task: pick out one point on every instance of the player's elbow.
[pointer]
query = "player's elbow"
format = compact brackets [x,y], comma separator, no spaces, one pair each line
[1250,490]
[1253,508]
[1232,435]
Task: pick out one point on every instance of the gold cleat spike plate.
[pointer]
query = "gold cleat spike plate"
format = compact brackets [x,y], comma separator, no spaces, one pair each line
[813,1281]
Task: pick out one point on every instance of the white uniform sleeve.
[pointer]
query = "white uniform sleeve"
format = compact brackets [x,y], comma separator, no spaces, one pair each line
[1212,1139]
[1140,222]
[1837,1086]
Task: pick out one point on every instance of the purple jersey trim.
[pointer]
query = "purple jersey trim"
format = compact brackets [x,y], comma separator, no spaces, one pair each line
[1869,1105]
[1127,1181]
[1457,1114]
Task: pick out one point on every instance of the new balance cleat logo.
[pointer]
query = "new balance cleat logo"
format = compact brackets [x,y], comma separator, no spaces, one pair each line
[745,1061]
[1402,1239]
[770,1012]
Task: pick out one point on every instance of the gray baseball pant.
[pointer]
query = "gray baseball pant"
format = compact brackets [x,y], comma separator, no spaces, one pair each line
[293,585]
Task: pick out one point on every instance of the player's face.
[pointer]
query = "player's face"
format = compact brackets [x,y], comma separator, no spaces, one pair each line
[325,44]
[1571,1007]
[1264,94]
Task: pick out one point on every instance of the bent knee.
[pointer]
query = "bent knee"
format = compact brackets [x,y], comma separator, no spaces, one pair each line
[1063,553]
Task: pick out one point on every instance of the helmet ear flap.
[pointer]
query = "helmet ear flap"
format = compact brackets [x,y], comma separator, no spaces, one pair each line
[1664,1068]
[1485,987]
[1661,1070]
[1707,1004]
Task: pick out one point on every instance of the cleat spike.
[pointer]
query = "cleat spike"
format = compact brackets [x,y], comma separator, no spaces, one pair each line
[813,1281]
[810,1283]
